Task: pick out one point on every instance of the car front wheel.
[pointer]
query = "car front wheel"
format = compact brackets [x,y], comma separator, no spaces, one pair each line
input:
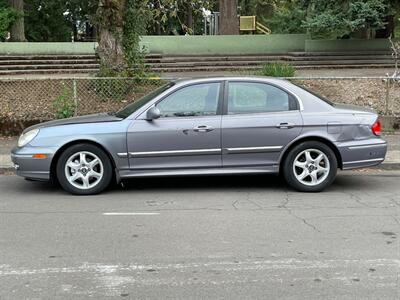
[84,169]
[310,167]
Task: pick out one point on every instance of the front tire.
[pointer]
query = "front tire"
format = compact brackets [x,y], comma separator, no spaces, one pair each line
[310,167]
[84,169]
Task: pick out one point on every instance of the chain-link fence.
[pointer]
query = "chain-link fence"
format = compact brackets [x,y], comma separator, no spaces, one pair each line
[27,101]
[45,99]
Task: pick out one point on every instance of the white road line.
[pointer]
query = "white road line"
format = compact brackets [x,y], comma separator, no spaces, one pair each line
[130,214]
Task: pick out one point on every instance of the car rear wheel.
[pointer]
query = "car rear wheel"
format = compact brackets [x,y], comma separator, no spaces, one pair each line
[310,167]
[84,169]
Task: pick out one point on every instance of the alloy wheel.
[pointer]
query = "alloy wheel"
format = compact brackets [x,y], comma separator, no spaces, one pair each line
[84,170]
[311,167]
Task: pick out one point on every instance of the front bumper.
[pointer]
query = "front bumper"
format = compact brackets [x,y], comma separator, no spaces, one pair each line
[29,167]
[363,153]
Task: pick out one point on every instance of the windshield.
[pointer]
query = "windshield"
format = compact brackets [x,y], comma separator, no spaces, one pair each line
[131,108]
[315,94]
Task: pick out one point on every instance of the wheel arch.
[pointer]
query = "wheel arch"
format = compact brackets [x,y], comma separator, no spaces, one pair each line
[320,139]
[56,157]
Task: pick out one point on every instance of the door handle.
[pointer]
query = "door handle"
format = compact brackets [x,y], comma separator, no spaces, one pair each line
[285,125]
[203,128]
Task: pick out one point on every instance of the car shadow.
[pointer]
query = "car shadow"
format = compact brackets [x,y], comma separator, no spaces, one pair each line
[206,183]
[265,182]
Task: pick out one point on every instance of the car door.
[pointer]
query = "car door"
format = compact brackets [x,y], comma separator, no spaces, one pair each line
[259,120]
[187,135]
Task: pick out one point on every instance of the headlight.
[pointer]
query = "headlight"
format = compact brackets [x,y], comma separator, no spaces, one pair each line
[27,137]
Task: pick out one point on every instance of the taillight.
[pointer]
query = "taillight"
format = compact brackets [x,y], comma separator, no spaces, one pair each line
[376,128]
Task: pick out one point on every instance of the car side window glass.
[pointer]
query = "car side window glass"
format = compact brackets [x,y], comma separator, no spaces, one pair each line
[252,97]
[194,100]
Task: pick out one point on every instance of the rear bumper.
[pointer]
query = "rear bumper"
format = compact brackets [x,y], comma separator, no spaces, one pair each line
[362,154]
[29,167]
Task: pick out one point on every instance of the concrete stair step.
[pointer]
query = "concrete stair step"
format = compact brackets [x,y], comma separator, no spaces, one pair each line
[207,63]
[62,57]
[46,71]
[344,62]
[171,59]
[47,62]
[340,53]
[257,67]
[259,63]
[49,67]
[46,57]
[340,57]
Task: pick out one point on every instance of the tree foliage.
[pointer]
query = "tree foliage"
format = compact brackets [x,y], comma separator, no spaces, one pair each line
[8,16]
[338,18]
[57,20]
[176,16]
[121,23]
[286,17]
[135,21]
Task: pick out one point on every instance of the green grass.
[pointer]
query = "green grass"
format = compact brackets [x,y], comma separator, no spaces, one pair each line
[277,70]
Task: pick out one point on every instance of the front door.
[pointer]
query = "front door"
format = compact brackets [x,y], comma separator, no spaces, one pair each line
[260,120]
[187,135]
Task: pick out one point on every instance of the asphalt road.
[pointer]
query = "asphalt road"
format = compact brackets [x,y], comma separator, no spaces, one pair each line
[208,237]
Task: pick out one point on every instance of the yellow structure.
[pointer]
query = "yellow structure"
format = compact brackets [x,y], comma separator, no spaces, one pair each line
[249,23]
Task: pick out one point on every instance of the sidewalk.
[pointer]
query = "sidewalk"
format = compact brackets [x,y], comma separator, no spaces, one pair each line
[392,160]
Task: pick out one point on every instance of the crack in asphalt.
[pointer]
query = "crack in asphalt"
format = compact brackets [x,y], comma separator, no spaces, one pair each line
[358,199]
[290,212]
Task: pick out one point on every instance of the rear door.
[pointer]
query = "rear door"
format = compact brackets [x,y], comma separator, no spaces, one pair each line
[259,120]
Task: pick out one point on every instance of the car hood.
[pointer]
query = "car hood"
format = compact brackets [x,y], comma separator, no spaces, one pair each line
[353,108]
[95,118]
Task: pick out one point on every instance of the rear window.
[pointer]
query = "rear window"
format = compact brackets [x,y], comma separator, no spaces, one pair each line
[326,100]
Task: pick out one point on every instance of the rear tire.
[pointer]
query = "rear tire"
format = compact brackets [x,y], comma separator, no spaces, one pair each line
[84,169]
[310,167]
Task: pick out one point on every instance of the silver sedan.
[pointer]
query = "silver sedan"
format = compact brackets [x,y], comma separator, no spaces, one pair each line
[207,126]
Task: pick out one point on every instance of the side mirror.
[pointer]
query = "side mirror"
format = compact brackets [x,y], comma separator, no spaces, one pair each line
[153,113]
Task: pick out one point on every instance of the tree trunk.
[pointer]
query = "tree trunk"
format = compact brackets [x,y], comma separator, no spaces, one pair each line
[17,33]
[229,23]
[189,19]
[75,31]
[111,14]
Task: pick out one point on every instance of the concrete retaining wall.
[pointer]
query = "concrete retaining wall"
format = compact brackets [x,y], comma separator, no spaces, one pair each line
[176,45]
[210,45]
[347,45]
[224,45]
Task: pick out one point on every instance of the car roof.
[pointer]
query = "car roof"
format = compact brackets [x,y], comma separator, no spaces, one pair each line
[228,78]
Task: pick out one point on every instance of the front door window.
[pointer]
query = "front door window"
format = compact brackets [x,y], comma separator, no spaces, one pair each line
[191,101]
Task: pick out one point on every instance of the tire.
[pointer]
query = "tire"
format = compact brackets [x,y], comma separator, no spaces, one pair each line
[84,169]
[310,167]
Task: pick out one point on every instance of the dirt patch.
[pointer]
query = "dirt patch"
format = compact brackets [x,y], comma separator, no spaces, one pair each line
[370,93]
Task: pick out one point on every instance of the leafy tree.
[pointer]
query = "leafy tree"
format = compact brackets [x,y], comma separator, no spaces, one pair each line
[121,23]
[338,18]
[80,15]
[134,26]
[8,16]
[58,20]
[287,17]
[176,16]
[45,21]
